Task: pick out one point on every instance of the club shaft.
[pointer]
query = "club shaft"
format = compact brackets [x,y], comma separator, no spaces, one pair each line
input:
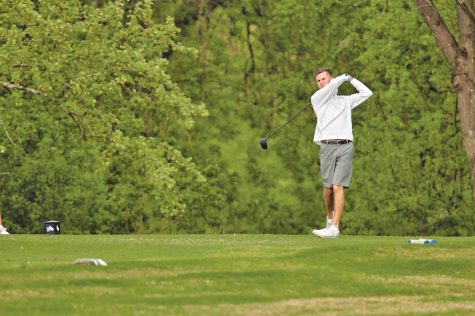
[290,119]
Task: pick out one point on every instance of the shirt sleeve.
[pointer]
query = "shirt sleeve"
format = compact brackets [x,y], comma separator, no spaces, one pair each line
[363,93]
[321,96]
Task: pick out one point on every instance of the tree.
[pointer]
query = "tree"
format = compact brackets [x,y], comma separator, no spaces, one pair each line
[461,57]
[89,116]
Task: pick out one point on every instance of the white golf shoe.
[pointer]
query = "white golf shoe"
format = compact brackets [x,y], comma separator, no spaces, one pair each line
[317,231]
[330,232]
[3,231]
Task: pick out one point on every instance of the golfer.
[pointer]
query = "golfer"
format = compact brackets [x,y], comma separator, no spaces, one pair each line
[334,134]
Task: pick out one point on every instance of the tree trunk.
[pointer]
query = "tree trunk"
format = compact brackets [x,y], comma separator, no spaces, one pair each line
[461,56]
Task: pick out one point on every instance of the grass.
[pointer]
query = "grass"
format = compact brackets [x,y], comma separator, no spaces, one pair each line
[235,275]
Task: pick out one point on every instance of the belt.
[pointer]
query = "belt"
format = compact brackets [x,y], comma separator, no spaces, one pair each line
[336,141]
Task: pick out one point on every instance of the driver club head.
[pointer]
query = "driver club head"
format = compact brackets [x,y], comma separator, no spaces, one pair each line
[263,143]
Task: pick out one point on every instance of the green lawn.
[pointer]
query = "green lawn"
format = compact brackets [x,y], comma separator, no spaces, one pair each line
[235,275]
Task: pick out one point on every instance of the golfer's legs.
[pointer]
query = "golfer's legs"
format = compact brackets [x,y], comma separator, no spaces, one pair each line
[336,169]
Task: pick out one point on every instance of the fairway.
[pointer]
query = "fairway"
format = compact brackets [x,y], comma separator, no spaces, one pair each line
[235,275]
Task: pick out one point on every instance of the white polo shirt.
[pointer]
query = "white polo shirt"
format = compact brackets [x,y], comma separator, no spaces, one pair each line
[334,111]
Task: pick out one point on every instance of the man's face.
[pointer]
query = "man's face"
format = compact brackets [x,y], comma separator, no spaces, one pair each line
[322,79]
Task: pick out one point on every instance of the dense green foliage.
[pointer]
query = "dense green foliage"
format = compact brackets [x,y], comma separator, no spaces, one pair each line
[235,275]
[117,138]
[89,146]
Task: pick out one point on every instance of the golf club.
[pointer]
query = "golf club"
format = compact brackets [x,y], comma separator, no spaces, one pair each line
[263,141]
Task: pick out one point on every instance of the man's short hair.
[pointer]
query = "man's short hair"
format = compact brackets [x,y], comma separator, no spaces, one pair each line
[320,70]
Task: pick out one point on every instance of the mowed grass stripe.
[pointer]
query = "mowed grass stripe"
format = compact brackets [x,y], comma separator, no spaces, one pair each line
[235,275]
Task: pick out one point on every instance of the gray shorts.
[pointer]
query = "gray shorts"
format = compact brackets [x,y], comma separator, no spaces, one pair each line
[336,164]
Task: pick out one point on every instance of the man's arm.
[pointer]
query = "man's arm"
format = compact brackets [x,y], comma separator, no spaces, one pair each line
[321,96]
[363,92]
